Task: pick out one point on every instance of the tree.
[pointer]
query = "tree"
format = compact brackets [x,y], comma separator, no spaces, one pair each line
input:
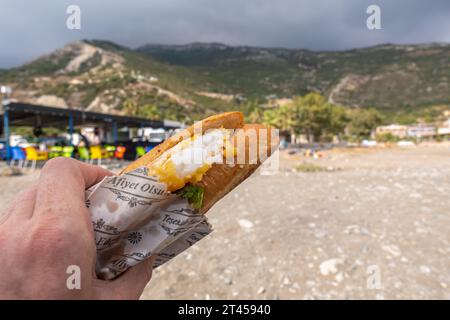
[255,114]
[311,115]
[363,122]
[151,111]
[281,118]
[130,107]
[338,120]
[317,118]
[386,137]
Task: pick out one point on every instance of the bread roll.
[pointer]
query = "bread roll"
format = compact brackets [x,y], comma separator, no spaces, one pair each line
[221,178]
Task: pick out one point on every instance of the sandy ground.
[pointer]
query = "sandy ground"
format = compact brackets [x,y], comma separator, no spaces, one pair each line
[376,226]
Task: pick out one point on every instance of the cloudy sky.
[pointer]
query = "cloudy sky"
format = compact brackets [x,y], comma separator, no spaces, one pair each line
[31,28]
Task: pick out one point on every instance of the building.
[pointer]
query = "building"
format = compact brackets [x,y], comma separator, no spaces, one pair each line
[400,131]
[444,130]
[422,131]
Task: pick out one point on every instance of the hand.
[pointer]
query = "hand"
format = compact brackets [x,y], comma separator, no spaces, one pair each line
[47,229]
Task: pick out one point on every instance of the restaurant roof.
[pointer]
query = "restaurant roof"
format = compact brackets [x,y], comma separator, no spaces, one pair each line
[23,114]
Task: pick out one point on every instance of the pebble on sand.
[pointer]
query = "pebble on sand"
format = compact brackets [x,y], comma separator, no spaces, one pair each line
[330,266]
[245,224]
[261,290]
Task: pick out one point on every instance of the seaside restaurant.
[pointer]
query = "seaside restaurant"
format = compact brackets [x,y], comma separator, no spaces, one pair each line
[37,116]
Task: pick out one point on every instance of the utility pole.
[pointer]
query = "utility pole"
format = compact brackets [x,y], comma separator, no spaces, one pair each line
[6,92]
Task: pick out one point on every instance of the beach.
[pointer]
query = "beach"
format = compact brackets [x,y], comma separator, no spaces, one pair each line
[371,223]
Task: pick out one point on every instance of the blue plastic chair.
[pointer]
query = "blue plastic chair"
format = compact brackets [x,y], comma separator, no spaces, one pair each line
[148,148]
[18,153]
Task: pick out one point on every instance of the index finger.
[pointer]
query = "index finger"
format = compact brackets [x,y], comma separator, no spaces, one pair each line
[62,185]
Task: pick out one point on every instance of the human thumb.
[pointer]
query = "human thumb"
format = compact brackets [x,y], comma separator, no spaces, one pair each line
[131,284]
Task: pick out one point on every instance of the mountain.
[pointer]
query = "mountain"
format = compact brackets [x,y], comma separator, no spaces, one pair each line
[187,82]
[105,77]
[384,76]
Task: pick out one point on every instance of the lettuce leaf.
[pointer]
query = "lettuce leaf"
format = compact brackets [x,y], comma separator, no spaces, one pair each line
[193,194]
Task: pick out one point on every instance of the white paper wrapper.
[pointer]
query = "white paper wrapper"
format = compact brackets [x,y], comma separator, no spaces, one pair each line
[135,218]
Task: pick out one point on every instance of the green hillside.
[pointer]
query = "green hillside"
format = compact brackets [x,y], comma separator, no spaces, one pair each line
[192,81]
[385,76]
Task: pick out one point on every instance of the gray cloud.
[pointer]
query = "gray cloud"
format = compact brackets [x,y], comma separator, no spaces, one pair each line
[31,28]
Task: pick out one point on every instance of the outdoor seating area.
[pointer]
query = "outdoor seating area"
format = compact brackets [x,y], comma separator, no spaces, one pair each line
[23,157]
[115,141]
